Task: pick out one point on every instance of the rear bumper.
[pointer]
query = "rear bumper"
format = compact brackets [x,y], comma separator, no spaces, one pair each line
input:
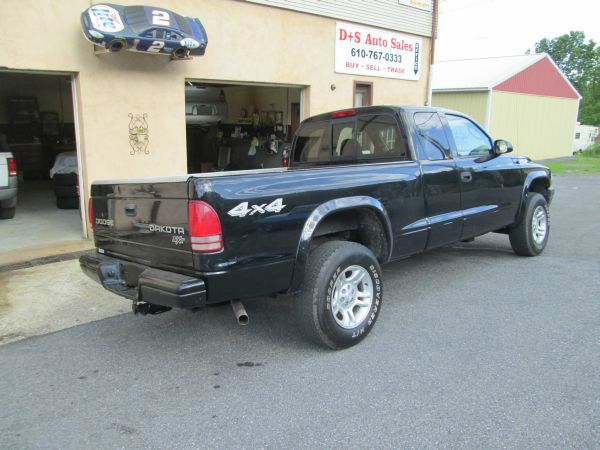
[142,283]
[10,191]
[8,194]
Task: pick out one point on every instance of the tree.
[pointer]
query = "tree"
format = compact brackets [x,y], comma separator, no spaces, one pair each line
[580,62]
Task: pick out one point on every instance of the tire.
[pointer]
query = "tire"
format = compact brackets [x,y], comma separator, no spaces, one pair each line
[8,203]
[7,213]
[66,191]
[530,236]
[116,45]
[180,53]
[65,179]
[324,291]
[67,203]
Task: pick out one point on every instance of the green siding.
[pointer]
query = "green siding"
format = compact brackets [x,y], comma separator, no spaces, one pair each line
[538,127]
[473,104]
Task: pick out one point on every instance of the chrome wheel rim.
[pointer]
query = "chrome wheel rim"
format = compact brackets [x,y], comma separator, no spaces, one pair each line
[352,296]
[539,224]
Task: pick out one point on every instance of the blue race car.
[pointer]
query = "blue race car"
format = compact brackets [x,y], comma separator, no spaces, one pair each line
[145,29]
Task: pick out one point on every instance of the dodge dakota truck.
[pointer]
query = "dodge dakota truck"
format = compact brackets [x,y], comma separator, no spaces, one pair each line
[365,186]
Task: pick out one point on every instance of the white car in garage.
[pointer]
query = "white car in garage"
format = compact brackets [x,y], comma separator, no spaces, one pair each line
[8,185]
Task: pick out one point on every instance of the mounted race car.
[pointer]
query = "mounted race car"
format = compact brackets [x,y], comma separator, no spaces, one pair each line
[145,29]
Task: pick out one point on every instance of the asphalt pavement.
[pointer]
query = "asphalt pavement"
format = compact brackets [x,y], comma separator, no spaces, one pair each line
[475,347]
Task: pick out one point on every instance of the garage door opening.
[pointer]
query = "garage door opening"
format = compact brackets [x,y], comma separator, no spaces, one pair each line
[239,127]
[37,125]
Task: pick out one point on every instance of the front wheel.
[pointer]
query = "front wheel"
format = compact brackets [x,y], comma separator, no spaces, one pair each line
[530,236]
[342,294]
[116,45]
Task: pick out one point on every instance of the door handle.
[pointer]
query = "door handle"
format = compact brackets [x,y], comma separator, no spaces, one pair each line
[466,177]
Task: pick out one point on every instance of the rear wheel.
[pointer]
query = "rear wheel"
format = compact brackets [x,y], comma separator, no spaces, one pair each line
[180,53]
[341,296]
[7,213]
[530,236]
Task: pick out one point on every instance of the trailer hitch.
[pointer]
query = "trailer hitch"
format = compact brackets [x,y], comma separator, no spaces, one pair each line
[144,308]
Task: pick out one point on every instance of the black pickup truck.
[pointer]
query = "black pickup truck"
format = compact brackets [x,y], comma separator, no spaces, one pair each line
[365,187]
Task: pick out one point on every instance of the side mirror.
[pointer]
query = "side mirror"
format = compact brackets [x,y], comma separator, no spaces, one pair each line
[501,147]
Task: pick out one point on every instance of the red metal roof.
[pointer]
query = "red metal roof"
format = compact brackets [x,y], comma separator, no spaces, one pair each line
[541,78]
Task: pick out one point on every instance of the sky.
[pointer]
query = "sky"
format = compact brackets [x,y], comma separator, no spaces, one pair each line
[481,28]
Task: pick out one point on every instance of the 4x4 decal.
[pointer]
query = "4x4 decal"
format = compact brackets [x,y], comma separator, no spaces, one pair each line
[244,209]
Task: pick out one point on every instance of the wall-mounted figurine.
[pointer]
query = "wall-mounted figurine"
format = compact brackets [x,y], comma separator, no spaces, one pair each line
[138,134]
[146,29]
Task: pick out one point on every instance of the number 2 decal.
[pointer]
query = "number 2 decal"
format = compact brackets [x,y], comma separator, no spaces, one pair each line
[156,46]
[160,18]
[243,209]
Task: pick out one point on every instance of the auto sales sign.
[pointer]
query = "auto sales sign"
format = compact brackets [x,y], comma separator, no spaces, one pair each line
[378,53]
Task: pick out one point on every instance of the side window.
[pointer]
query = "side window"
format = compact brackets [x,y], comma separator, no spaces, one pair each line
[160,33]
[154,33]
[343,143]
[172,36]
[469,139]
[312,143]
[378,137]
[433,140]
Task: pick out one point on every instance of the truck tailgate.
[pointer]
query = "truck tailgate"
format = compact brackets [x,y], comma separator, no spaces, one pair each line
[145,222]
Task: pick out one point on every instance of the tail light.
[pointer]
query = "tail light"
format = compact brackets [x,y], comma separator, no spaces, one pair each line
[285,160]
[12,167]
[91,215]
[344,113]
[205,228]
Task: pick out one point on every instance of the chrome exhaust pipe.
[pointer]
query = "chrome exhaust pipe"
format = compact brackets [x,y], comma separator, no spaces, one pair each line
[240,312]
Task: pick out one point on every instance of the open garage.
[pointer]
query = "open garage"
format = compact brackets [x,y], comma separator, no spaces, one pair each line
[239,126]
[37,126]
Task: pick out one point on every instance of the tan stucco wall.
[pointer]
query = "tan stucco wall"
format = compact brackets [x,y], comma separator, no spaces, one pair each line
[538,127]
[473,104]
[247,43]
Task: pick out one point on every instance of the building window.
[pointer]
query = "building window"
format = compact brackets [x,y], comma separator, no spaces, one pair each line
[577,135]
[363,94]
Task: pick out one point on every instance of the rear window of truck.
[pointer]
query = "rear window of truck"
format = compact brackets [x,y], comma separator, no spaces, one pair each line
[362,138]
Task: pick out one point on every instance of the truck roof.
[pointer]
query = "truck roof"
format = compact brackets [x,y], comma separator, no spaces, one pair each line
[379,109]
[375,110]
